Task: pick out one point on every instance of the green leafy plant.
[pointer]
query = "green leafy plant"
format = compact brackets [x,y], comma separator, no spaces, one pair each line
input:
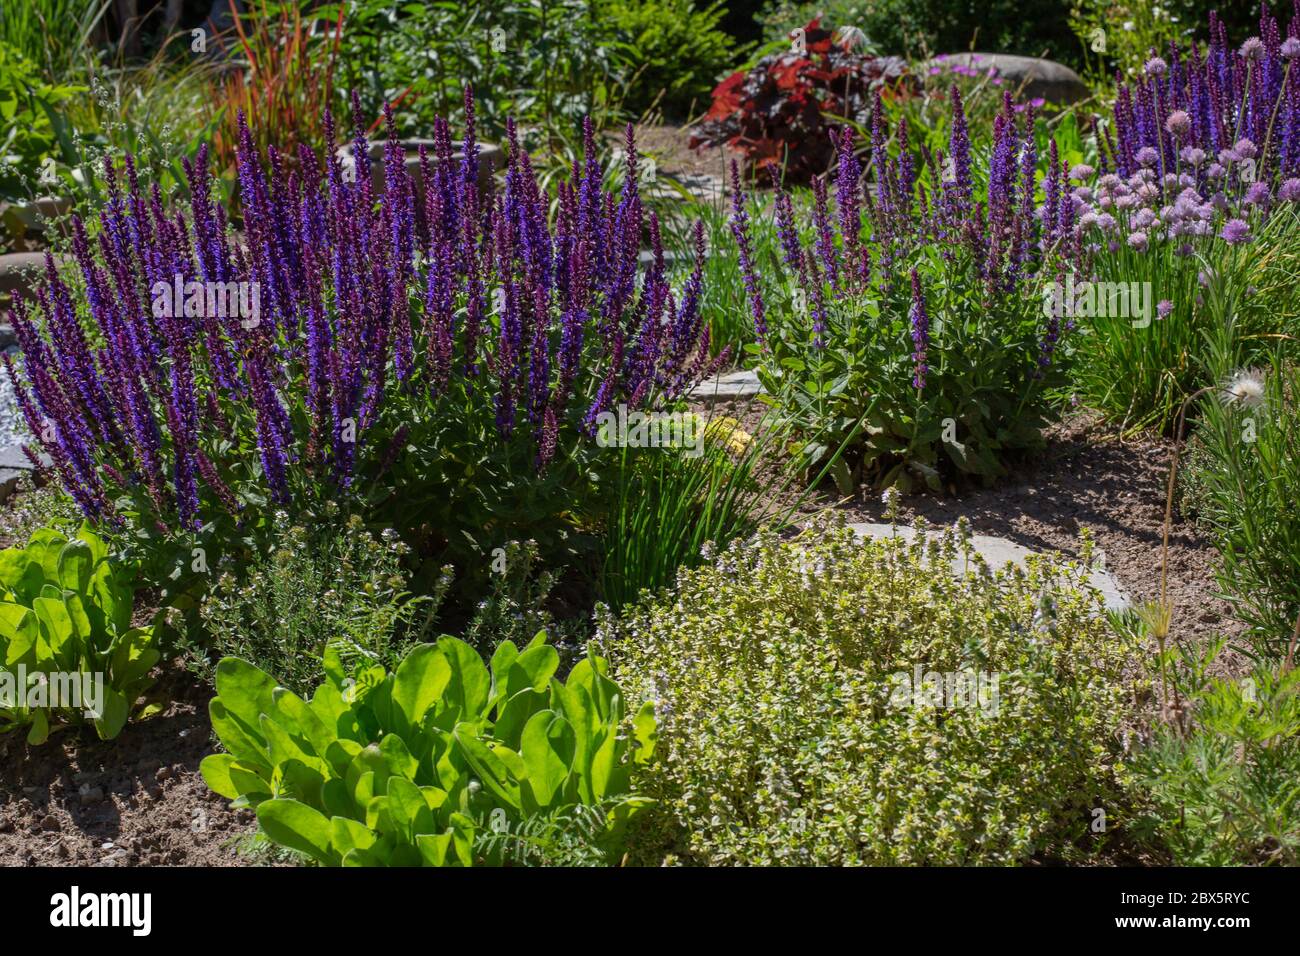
[30,147]
[670,503]
[413,767]
[65,620]
[1246,479]
[793,730]
[680,47]
[1223,782]
[918,28]
[314,588]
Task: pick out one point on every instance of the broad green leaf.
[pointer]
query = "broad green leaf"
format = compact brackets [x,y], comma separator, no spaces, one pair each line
[470,682]
[116,708]
[298,827]
[547,750]
[246,692]
[420,681]
[489,766]
[40,729]
[75,564]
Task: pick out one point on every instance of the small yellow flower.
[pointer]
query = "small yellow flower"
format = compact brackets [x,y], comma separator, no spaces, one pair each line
[728,432]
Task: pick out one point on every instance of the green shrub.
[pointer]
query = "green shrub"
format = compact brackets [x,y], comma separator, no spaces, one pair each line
[680,50]
[1224,787]
[442,762]
[65,631]
[29,141]
[923,27]
[781,676]
[314,588]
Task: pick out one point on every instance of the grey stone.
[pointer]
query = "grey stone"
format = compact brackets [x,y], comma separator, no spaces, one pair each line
[20,270]
[728,387]
[490,158]
[999,552]
[1054,82]
[12,456]
[35,218]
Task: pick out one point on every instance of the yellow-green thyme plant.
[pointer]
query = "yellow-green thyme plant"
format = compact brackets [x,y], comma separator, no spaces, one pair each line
[827,700]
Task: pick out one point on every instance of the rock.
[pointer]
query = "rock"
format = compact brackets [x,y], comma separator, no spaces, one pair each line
[20,270]
[13,456]
[998,552]
[727,388]
[28,220]
[50,822]
[1052,81]
[490,159]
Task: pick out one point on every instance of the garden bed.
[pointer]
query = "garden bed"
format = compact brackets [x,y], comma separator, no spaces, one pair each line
[156,809]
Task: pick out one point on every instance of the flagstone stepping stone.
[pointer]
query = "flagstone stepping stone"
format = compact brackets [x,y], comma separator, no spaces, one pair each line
[729,387]
[1045,79]
[998,552]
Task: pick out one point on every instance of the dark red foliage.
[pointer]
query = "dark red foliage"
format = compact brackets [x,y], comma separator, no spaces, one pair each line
[777,112]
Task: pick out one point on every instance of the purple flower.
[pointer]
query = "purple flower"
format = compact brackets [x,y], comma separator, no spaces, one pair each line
[1258,195]
[740,230]
[1235,232]
[1164,308]
[1179,123]
[1253,48]
[1289,191]
[1156,67]
[920,333]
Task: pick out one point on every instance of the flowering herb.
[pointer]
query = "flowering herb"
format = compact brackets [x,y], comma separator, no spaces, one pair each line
[912,329]
[421,350]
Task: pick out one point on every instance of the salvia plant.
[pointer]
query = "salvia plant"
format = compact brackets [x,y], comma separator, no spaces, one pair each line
[1199,165]
[433,354]
[68,652]
[434,763]
[909,317]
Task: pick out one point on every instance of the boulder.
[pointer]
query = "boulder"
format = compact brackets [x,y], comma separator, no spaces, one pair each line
[20,270]
[1045,79]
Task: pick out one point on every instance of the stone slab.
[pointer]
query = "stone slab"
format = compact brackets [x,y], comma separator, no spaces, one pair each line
[999,552]
[730,387]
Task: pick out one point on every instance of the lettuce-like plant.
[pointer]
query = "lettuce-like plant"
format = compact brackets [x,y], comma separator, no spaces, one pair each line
[65,632]
[414,767]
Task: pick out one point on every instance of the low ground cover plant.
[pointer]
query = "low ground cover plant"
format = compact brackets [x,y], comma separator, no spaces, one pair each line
[442,762]
[797,723]
[1222,778]
[69,654]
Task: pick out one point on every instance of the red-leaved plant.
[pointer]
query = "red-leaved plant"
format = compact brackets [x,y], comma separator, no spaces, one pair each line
[781,111]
